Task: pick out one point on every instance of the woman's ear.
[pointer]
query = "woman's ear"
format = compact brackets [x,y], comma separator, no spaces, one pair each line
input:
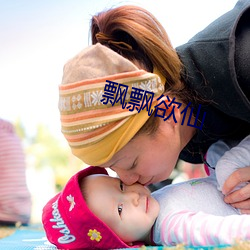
[168,110]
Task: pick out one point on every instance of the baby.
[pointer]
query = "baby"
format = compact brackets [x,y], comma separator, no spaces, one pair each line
[96,211]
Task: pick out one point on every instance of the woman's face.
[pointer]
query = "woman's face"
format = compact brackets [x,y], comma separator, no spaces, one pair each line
[148,159]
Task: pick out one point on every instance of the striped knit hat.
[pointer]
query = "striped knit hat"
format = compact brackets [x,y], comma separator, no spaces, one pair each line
[95,125]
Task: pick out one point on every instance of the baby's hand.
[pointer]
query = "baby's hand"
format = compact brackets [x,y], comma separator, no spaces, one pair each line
[241,197]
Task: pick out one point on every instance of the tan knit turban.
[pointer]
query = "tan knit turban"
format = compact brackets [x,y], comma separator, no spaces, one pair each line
[96,131]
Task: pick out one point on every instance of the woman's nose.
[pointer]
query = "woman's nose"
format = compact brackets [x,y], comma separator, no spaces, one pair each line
[126,177]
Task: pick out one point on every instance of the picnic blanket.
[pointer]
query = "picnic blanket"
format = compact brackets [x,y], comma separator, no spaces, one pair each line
[33,238]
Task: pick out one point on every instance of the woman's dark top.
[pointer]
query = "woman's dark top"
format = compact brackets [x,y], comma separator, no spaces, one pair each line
[217,66]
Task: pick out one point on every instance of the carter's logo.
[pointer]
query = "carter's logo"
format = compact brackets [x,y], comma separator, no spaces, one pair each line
[67,237]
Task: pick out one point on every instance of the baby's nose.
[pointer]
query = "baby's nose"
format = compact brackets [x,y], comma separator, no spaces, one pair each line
[133,197]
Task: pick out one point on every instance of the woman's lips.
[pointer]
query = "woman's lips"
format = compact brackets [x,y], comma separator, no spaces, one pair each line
[148,183]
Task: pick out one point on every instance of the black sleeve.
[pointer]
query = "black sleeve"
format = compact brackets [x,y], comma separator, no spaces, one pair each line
[217,58]
[217,65]
[242,53]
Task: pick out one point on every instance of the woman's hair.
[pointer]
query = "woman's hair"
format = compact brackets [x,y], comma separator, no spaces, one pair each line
[137,35]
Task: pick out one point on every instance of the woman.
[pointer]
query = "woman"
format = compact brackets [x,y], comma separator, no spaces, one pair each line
[208,76]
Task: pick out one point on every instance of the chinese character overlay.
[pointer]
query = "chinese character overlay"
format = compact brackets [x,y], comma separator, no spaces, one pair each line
[140,99]
[109,92]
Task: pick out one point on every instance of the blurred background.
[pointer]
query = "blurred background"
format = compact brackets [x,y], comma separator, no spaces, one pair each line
[36,40]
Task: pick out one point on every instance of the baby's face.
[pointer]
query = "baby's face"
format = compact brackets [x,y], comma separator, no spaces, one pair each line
[130,211]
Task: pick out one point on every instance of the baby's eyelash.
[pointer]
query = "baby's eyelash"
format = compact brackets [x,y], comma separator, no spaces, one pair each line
[120,206]
[121,185]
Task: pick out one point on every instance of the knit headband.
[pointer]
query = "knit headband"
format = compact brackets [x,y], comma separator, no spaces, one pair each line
[104,100]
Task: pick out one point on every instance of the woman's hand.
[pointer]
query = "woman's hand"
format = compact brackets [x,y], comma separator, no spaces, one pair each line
[241,197]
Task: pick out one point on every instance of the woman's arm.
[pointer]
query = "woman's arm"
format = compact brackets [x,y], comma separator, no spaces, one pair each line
[236,158]
[233,175]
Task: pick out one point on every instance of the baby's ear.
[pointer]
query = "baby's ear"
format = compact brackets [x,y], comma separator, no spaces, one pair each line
[130,244]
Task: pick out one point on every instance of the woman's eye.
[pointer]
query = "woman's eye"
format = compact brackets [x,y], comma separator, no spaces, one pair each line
[121,186]
[120,206]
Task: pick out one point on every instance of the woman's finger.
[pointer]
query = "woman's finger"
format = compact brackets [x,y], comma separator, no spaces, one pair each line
[239,176]
[240,195]
[245,211]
